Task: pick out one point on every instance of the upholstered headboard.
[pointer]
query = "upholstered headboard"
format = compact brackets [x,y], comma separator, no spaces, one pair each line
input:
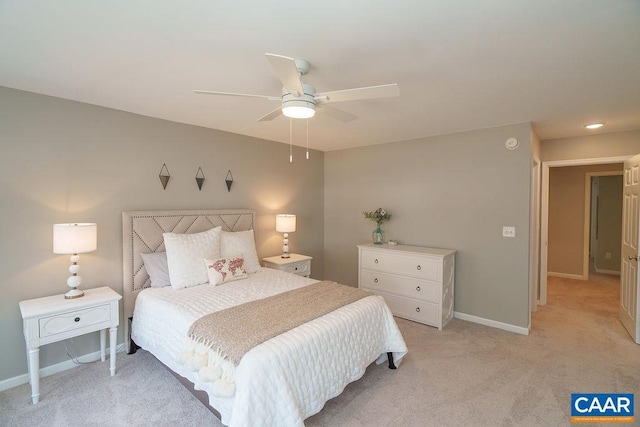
[142,233]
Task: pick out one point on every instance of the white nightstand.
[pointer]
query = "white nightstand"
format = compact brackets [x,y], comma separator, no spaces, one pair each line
[52,319]
[296,264]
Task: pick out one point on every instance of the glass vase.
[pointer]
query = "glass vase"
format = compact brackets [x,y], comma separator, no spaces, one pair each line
[378,236]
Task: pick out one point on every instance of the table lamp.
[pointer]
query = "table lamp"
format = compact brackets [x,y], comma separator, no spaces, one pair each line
[74,239]
[285,223]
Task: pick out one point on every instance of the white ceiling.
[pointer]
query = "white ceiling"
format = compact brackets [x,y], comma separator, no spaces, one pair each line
[460,64]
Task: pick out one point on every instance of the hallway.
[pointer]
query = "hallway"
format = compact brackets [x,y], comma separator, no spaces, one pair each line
[585,308]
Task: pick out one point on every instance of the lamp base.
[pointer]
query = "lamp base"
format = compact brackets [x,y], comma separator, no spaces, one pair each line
[285,255]
[74,293]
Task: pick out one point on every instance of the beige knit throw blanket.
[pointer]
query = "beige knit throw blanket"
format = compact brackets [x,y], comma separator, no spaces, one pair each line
[220,339]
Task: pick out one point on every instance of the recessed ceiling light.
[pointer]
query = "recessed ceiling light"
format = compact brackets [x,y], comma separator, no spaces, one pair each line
[594,125]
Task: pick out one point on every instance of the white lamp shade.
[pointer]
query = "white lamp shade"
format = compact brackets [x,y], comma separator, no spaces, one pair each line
[285,223]
[75,238]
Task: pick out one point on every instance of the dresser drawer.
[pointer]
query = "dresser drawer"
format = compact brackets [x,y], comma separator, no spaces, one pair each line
[420,311]
[65,322]
[401,285]
[423,267]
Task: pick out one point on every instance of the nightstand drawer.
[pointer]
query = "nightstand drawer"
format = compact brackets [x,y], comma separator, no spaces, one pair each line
[302,268]
[296,264]
[65,322]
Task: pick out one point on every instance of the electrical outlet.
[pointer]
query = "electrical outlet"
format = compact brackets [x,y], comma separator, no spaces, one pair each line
[508,231]
[607,255]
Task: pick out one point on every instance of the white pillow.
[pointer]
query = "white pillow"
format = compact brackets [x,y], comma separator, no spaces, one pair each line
[241,243]
[156,265]
[185,253]
[225,269]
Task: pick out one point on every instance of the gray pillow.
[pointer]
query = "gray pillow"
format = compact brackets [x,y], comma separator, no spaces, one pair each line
[156,265]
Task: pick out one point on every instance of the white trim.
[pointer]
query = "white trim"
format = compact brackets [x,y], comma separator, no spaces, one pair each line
[544,229]
[567,275]
[534,238]
[56,369]
[492,323]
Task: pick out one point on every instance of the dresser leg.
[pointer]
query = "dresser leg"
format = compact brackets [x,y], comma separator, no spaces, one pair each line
[34,373]
[113,336]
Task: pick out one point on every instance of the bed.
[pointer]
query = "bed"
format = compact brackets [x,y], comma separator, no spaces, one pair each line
[281,381]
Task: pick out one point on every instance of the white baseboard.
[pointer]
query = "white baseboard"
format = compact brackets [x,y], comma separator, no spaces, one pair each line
[492,323]
[615,273]
[57,368]
[567,276]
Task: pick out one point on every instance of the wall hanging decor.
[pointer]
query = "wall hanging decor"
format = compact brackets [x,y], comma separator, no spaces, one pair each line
[229,180]
[164,176]
[200,178]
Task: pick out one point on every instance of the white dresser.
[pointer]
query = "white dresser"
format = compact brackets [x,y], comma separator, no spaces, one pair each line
[416,282]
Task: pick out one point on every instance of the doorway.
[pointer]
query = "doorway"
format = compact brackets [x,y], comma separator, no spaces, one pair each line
[544,225]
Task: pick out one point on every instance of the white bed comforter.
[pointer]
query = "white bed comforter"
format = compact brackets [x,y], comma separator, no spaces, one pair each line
[288,378]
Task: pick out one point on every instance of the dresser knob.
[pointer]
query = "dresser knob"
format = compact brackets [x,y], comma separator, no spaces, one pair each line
[376,261]
[375,280]
[418,288]
[418,309]
[77,319]
[419,268]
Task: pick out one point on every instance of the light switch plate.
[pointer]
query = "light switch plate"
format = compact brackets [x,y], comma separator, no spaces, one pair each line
[508,231]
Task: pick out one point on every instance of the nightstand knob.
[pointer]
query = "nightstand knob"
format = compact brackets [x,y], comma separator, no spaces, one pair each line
[419,268]
[418,309]
[418,288]
[77,319]
[376,260]
[375,280]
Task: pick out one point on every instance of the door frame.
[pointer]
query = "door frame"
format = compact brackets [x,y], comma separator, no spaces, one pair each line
[534,236]
[544,226]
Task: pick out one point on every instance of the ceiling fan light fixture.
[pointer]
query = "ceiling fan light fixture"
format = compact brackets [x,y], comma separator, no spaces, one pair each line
[594,125]
[298,109]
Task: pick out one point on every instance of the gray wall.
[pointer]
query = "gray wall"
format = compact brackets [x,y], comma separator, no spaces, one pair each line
[454,191]
[63,161]
[591,146]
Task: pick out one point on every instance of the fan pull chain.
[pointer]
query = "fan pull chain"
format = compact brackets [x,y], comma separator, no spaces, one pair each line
[290,140]
[307,120]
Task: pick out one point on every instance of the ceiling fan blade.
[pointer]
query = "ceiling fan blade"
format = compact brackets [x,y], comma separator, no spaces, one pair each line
[370,92]
[271,115]
[334,113]
[286,70]
[246,95]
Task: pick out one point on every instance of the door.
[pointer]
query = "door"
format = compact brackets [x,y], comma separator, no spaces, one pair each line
[630,229]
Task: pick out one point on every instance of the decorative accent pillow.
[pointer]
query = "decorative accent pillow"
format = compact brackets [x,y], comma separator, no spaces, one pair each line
[225,269]
[243,243]
[185,253]
[156,265]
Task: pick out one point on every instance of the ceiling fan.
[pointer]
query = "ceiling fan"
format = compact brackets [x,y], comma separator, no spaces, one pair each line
[299,100]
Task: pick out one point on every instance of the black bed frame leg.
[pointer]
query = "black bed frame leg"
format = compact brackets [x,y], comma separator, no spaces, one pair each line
[132,345]
[390,357]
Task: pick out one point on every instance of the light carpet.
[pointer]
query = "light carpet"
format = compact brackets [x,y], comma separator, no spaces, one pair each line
[465,375]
